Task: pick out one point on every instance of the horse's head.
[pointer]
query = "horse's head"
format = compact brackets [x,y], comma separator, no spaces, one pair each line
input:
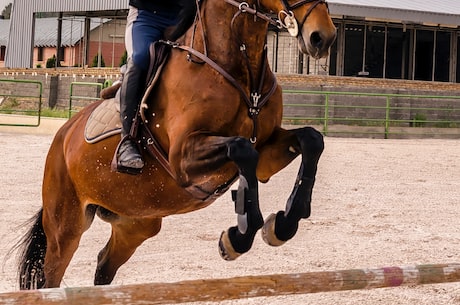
[307,20]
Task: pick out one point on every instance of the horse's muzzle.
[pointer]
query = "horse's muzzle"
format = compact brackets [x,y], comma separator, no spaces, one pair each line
[317,43]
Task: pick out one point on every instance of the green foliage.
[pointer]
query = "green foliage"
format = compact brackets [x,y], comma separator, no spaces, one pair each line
[124,59]
[419,120]
[51,62]
[54,113]
[9,103]
[6,13]
[96,59]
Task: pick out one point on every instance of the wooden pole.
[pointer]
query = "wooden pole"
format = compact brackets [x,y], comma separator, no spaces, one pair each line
[239,287]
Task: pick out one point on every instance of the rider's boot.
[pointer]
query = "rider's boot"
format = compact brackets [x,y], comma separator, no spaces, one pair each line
[129,158]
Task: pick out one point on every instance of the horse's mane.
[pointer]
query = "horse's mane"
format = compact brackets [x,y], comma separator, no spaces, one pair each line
[186,18]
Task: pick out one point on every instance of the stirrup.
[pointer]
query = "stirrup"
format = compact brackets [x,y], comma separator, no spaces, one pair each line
[118,167]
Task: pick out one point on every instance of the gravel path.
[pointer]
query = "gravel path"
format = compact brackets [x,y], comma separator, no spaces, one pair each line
[376,203]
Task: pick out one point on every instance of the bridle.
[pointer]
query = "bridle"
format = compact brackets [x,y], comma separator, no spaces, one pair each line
[290,22]
[256,99]
[286,18]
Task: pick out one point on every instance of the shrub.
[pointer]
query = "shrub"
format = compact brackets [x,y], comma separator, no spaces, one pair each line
[51,62]
[95,61]
[124,59]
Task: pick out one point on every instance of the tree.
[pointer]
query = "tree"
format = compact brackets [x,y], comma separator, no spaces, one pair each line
[51,62]
[124,58]
[6,13]
[96,59]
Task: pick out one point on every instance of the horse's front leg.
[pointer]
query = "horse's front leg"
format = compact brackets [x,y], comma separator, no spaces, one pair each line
[238,240]
[202,162]
[287,144]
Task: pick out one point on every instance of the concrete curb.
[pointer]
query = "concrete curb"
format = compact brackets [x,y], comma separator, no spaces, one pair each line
[48,126]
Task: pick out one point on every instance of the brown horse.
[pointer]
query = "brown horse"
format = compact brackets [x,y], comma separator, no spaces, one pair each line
[216,112]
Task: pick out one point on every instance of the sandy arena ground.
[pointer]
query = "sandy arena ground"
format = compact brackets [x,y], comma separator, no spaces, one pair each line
[376,203]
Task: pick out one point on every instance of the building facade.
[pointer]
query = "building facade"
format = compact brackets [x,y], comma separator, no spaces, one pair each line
[394,39]
[382,39]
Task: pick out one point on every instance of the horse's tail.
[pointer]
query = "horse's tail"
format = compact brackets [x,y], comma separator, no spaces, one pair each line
[32,249]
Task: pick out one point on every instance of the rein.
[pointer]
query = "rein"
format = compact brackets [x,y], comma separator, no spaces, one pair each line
[255,100]
[289,22]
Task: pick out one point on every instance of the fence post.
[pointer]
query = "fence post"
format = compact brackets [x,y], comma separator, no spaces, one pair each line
[72,97]
[387,117]
[39,84]
[326,113]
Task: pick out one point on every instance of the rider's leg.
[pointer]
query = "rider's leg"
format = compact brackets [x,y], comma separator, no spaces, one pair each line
[130,96]
[143,28]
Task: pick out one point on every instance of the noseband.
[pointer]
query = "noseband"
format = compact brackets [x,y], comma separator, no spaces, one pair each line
[289,21]
[286,18]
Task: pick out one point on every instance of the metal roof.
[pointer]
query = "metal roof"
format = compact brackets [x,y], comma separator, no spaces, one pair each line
[19,51]
[46,31]
[442,12]
[439,12]
[72,31]
[4,31]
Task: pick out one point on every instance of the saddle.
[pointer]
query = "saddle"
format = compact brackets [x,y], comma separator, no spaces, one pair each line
[105,120]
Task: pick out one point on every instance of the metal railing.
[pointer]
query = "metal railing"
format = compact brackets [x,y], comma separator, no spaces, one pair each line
[22,116]
[379,113]
[73,97]
[335,113]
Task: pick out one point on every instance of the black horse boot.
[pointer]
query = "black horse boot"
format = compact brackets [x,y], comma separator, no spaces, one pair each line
[129,159]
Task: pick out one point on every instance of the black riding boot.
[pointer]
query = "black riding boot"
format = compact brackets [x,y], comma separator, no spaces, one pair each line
[132,89]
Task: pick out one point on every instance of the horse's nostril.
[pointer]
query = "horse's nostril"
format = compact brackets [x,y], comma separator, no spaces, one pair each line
[316,40]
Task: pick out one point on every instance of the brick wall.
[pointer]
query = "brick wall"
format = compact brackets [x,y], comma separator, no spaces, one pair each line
[57,83]
[358,110]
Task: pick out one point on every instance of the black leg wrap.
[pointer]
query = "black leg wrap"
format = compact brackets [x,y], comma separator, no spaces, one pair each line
[284,225]
[285,229]
[239,239]
[242,243]
[298,207]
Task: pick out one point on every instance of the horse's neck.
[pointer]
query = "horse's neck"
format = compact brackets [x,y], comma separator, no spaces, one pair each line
[236,47]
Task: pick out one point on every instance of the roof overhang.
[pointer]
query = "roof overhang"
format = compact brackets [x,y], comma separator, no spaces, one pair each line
[392,14]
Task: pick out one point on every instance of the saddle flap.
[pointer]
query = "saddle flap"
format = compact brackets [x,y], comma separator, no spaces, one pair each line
[103,122]
[159,53]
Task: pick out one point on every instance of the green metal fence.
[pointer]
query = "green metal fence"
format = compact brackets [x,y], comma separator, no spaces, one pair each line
[334,113]
[90,95]
[383,114]
[17,106]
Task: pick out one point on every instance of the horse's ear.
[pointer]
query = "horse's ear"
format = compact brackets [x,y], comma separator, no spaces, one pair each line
[185,20]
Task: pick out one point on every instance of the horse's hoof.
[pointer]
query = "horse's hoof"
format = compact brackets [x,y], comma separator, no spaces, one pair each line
[268,232]
[226,249]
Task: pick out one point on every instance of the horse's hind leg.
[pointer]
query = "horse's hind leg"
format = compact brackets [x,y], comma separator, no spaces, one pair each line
[64,217]
[239,239]
[127,235]
[281,227]
[64,223]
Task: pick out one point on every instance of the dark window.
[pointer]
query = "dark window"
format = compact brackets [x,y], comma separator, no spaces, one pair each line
[441,71]
[424,55]
[2,53]
[333,54]
[40,54]
[458,59]
[375,47]
[397,53]
[354,40]
[61,53]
